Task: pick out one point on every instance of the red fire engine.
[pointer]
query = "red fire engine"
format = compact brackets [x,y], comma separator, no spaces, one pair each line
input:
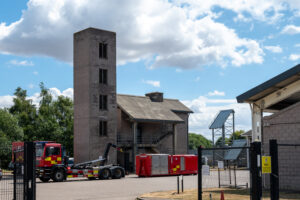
[165,164]
[51,163]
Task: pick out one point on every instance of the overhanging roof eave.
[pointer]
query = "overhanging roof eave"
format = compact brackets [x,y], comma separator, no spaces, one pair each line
[246,97]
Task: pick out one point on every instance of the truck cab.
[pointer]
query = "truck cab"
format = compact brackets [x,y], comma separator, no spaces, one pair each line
[48,154]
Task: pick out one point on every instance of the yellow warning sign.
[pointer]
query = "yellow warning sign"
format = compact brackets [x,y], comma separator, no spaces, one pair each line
[266,164]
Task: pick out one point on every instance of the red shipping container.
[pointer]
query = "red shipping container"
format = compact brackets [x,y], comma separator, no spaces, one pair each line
[164,164]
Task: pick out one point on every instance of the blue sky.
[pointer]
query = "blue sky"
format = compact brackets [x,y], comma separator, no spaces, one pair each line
[203,53]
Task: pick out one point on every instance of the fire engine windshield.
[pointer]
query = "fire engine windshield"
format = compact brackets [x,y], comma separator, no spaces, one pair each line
[39,150]
[52,151]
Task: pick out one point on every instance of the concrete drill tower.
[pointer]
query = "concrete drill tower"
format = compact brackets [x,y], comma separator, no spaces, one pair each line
[95,106]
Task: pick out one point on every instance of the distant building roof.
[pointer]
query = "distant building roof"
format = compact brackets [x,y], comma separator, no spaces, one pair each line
[247,134]
[221,119]
[233,154]
[280,81]
[141,108]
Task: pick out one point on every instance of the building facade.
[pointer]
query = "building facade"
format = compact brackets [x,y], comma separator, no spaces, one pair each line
[284,126]
[138,124]
[95,101]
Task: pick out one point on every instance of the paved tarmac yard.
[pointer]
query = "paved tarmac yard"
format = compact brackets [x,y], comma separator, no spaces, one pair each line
[123,189]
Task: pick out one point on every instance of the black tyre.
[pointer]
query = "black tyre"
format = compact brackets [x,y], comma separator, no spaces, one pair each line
[91,178]
[58,175]
[117,173]
[104,173]
[45,180]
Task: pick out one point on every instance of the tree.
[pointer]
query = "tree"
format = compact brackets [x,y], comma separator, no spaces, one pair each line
[234,136]
[55,119]
[9,132]
[219,142]
[63,109]
[237,135]
[196,140]
[52,120]
[25,112]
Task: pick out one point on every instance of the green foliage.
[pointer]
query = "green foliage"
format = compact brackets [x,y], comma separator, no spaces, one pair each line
[51,121]
[228,141]
[236,136]
[25,112]
[219,142]
[9,132]
[196,140]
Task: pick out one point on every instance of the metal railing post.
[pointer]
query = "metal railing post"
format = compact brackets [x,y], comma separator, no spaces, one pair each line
[255,171]
[274,178]
[199,173]
[177,184]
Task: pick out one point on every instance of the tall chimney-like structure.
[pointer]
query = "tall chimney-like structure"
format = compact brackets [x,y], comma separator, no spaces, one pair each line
[95,106]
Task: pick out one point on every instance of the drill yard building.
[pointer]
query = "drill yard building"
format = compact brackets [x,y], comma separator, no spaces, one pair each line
[138,124]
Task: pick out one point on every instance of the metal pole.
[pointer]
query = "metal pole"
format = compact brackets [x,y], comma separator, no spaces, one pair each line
[219,177]
[182,183]
[235,185]
[274,178]
[15,177]
[213,145]
[229,173]
[233,125]
[255,171]
[177,184]
[199,173]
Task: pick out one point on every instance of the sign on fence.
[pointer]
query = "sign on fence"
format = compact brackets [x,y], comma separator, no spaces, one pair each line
[220,164]
[266,164]
[205,170]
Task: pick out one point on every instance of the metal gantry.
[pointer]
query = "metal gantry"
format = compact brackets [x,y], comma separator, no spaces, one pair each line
[222,126]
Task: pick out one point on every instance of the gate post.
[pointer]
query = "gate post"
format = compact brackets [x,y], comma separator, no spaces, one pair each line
[15,176]
[199,173]
[255,171]
[29,171]
[274,178]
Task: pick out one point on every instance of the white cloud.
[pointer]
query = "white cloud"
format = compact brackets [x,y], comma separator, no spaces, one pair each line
[152,83]
[241,17]
[21,63]
[268,10]
[294,57]
[297,45]
[205,110]
[291,30]
[216,93]
[274,49]
[35,72]
[67,93]
[178,36]
[7,101]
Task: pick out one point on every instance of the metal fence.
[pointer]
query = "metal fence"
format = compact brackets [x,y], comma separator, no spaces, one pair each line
[284,179]
[229,169]
[6,174]
[18,172]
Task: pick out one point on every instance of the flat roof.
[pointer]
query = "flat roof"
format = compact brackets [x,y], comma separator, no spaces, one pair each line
[278,82]
[221,119]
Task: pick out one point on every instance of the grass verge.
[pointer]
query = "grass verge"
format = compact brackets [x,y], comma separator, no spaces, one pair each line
[229,193]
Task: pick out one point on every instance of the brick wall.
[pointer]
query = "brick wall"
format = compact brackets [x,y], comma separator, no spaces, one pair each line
[284,126]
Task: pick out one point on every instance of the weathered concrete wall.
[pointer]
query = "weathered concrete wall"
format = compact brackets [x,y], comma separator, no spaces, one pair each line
[284,126]
[182,134]
[88,144]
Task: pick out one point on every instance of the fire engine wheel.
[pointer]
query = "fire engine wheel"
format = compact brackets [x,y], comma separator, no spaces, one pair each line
[117,174]
[104,173]
[43,179]
[58,175]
